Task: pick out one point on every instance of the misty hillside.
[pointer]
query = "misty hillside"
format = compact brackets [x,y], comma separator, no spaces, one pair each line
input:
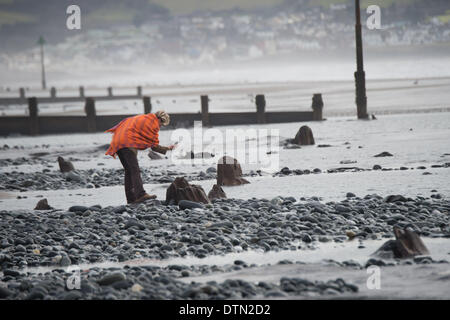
[198,31]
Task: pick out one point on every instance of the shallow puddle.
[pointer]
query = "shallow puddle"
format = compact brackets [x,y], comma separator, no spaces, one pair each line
[439,249]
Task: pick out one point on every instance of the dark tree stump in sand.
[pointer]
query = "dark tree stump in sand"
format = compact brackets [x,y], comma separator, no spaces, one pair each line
[65,166]
[229,172]
[180,189]
[42,205]
[407,244]
[304,136]
[216,193]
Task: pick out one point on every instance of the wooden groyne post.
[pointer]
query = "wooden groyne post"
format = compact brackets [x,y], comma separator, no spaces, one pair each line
[139,91]
[90,115]
[260,102]
[205,110]
[33,120]
[81,91]
[110,92]
[317,106]
[147,104]
[22,93]
[52,92]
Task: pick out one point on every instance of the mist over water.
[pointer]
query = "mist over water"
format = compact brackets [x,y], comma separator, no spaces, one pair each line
[321,66]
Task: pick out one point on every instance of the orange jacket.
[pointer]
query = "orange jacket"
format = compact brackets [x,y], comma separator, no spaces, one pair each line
[140,132]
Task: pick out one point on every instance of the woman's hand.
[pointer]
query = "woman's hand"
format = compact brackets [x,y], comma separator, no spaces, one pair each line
[171,147]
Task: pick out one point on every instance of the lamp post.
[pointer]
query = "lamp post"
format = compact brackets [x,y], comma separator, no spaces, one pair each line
[41,42]
[360,76]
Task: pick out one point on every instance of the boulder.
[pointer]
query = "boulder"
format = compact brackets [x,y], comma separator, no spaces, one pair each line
[180,189]
[304,136]
[65,166]
[229,172]
[407,244]
[216,193]
[42,205]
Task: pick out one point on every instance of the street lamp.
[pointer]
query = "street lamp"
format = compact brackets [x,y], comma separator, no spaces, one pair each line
[41,42]
[360,76]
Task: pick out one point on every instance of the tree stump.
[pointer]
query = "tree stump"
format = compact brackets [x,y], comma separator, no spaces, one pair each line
[216,193]
[180,189]
[304,136]
[65,166]
[229,172]
[42,205]
[407,244]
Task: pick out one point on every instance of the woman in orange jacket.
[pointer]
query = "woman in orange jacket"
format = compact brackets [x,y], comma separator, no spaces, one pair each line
[130,135]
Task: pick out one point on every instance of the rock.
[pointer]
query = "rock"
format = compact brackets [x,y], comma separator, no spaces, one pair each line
[111,278]
[407,244]
[350,234]
[42,205]
[5,293]
[136,288]
[78,209]
[307,238]
[304,136]
[216,193]
[72,176]
[211,170]
[229,172]
[350,195]
[384,154]
[395,198]
[154,156]
[180,189]
[377,167]
[134,223]
[186,204]
[65,261]
[65,166]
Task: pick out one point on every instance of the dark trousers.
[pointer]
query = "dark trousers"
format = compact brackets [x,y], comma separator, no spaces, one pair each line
[134,189]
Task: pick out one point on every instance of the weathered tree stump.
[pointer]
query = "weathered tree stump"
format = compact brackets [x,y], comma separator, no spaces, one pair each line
[216,193]
[65,166]
[180,189]
[304,136]
[229,172]
[42,205]
[407,244]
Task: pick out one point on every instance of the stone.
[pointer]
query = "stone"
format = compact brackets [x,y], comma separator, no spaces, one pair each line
[136,287]
[216,193]
[65,166]
[384,154]
[78,209]
[304,136]
[186,204]
[229,172]
[154,156]
[111,278]
[395,198]
[72,176]
[4,293]
[42,205]
[180,189]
